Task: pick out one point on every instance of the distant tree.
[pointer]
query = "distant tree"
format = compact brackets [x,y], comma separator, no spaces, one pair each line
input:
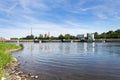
[117,31]
[73,37]
[96,35]
[103,35]
[109,32]
[53,38]
[40,36]
[67,36]
[30,37]
[60,36]
[108,35]
[36,37]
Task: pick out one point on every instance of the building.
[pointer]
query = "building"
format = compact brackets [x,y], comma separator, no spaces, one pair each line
[1,38]
[81,36]
[45,35]
[90,36]
[14,39]
[48,34]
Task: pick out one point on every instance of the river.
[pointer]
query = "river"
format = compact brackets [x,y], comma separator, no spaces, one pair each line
[71,61]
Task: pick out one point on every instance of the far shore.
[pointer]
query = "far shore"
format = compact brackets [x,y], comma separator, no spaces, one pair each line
[69,40]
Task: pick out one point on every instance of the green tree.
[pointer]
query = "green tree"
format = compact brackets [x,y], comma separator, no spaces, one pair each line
[96,35]
[53,38]
[110,34]
[40,36]
[60,36]
[30,37]
[67,36]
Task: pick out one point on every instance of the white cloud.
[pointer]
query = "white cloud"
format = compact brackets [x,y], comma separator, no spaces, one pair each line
[101,15]
[29,5]
[24,14]
[42,27]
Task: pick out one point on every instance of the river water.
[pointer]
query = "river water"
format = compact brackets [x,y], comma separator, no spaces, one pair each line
[71,61]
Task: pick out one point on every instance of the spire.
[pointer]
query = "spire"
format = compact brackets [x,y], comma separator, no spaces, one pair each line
[31,30]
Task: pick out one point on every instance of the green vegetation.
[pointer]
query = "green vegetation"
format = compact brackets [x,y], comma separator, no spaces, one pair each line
[108,35]
[45,37]
[5,59]
[4,47]
[21,45]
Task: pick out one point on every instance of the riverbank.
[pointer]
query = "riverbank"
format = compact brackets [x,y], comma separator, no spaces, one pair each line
[56,41]
[5,58]
[9,64]
[13,74]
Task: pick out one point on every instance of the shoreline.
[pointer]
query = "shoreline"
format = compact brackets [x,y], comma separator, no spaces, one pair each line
[61,41]
[13,50]
[12,72]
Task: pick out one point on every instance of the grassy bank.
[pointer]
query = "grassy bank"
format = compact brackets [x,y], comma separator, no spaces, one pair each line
[5,58]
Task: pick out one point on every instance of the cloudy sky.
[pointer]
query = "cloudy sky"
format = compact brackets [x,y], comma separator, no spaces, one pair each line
[58,16]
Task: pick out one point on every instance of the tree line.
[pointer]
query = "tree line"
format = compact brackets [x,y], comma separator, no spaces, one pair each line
[44,37]
[105,35]
[108,35]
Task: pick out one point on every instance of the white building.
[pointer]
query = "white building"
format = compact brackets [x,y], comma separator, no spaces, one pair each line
[90,36]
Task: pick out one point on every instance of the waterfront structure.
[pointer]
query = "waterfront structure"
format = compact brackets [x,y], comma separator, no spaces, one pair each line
[90,36]
[48,34]
[1,38]
[81,36]
[45,35]
[14,39]
[36,41]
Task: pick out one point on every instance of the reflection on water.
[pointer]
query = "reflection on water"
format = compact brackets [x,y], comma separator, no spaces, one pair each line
[71,61]
[85,47]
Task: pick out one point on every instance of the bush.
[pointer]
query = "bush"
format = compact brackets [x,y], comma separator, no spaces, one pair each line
[21,45]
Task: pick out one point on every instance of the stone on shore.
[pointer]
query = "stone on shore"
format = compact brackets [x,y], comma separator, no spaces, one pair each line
[14,59]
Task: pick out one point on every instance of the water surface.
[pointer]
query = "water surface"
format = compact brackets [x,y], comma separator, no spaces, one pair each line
[71,61]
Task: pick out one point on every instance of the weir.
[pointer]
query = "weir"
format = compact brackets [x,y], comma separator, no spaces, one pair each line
[45,41]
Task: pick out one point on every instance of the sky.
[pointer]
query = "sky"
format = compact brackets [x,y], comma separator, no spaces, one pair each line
[17,17]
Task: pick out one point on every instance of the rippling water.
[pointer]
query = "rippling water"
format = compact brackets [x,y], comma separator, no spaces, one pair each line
[71,61]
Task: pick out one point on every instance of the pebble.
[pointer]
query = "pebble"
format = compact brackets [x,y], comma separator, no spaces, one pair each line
[3,78]
[15,74]
[19,73]
[32,76]
[36,77]
[18,77]
[26,76]
[23,75]
[14,59]
[29,74]
[12,72]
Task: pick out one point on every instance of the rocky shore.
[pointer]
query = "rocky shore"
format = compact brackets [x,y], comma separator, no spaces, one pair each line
[12,72]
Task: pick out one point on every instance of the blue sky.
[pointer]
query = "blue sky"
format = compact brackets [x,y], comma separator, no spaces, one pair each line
[58,16]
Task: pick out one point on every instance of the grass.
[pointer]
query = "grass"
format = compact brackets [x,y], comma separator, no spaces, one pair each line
[5,59]
[4,46]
